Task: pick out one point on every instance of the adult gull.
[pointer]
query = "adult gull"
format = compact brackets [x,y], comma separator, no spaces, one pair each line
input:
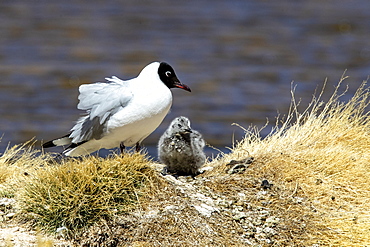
[121,113]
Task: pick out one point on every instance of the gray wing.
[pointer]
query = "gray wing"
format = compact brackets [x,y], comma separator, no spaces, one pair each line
[198,143]
[104,99]
[101,101]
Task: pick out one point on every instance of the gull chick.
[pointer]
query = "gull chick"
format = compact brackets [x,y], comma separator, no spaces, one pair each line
[121,113]
[181,149]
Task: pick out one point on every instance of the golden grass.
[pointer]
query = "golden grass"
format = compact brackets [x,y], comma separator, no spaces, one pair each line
[15,163]
[322,155]
[77,192]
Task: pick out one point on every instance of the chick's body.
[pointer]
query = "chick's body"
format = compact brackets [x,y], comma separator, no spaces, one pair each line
[181,149]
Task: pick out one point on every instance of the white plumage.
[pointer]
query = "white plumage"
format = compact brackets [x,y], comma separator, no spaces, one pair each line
[181,149]
[121,113]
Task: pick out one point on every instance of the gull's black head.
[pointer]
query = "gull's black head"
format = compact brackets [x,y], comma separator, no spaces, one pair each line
[168,77]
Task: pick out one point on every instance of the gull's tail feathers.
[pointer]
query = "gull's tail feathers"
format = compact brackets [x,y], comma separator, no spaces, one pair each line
[62,141]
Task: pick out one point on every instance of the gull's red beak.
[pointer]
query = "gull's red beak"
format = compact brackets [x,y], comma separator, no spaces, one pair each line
[182,86]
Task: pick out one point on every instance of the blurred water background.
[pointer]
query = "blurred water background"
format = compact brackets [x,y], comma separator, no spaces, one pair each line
[238,56]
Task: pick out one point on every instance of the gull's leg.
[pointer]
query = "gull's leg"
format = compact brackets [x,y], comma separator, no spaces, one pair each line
[137,148]
[121,147]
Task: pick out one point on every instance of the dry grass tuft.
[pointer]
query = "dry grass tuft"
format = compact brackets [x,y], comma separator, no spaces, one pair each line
[16,163]
[321,158]
[77,192]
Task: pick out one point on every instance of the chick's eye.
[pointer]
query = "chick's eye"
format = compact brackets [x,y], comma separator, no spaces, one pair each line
[168,73]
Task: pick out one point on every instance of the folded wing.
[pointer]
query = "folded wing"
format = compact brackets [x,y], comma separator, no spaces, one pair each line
[101,100]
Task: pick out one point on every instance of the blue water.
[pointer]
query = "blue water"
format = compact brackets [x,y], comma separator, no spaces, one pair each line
[238,57]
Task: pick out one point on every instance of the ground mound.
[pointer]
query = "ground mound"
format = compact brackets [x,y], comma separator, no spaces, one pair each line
[305,184]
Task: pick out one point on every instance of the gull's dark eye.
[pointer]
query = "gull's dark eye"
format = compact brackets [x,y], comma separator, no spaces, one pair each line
[168,73]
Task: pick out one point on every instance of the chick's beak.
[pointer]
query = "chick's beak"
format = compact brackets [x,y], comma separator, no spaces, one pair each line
[188,131]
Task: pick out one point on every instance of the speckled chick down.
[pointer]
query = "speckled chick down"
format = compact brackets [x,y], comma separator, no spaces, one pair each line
[181,149]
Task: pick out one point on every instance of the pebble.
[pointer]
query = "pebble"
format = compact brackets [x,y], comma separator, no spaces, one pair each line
[205,209]
[272,220]
[10,215]
[5,202]
[239,216]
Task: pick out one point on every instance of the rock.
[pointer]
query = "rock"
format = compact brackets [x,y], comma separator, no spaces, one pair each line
[272,220]
[6,202]
[265,184]
[269,231]
[246,161]
[205,169]
[202,198]
[205,209]
[170,208]
[261,195]
[151,214]
[10,215]
[239,215]
[61,232]
[239,166]
[298,200]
